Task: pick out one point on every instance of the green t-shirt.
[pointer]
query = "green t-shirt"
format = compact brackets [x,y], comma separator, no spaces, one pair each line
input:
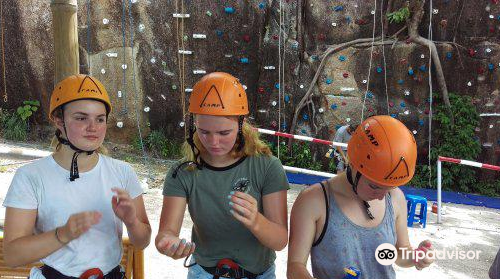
[216,233]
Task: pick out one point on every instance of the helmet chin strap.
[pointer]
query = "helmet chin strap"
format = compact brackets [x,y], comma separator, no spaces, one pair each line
[354,185]
[73,173]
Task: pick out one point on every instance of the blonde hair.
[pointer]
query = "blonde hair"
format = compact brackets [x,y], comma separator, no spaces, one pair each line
[254,146]
[56,145]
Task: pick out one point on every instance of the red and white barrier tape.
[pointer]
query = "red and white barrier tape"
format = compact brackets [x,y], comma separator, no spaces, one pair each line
[469,163]
[298,137]
[306,171]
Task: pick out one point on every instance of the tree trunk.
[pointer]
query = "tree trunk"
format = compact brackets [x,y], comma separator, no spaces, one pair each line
[417,12]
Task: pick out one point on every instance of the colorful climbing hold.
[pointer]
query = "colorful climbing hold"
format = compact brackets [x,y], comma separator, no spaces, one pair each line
[229,10]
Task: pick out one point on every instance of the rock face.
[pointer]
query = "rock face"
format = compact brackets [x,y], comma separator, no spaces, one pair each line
[134,48]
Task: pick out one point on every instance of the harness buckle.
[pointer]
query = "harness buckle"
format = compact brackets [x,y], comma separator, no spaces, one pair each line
[93,273]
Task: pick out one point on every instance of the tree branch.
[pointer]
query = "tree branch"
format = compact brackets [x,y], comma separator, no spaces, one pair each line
[307,96]
[417,12]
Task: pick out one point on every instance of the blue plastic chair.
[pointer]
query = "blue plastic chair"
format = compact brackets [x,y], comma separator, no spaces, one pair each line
[413,217]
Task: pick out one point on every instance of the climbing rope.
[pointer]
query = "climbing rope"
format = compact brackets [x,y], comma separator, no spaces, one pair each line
[5,97]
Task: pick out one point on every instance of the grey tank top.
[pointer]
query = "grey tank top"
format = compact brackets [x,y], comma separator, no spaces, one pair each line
[344,244]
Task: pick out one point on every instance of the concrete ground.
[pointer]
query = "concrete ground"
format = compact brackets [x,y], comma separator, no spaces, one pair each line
[464,228]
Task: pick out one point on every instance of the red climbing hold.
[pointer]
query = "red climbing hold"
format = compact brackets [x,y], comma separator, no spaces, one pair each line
[472,52]
[345,75]
[361,21]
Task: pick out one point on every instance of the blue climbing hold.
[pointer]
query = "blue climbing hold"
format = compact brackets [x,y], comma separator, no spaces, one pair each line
[219,32]
[423,68]
[338,8]
[421,122]
[305,116]
[401,81]
[369,95]
[303,131]
[329,81]
[334,106]
[342,58]
[448,55]
[403,105]
[229,10]
[393,115]
[410,72]
[262,5]
[287,98]
[277,85]
[379,69]
[337,126]
[244,60]
[491,66]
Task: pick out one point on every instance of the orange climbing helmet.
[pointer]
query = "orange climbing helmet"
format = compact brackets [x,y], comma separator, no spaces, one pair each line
[383,150]
[78,87]
[218,94]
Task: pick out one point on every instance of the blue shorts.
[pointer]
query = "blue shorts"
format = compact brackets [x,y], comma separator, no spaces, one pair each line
[197,272]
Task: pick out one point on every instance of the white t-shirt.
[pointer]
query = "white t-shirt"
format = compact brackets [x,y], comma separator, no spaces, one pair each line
[44,185]
[342,136]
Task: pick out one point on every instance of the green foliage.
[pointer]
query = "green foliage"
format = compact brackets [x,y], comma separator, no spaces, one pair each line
[457,141]
[13,126]
[399,16]
[27,109]
[299,157]
[489,188]
[158,144]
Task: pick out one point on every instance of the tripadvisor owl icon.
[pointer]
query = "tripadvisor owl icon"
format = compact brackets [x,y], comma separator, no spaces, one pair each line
[386,254]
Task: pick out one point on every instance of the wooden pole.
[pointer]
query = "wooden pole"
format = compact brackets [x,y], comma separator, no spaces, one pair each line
[65,26]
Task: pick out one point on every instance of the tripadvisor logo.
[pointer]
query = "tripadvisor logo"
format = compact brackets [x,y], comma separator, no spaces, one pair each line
[387,254]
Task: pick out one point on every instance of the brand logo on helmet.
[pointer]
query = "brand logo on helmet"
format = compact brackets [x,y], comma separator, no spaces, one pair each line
[401,171]
[212,102]
[371,137]
[85,87]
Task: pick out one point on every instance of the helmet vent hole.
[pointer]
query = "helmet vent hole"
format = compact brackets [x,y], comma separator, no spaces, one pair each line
[60,87]
[361,166]
[368,157]
[57,99]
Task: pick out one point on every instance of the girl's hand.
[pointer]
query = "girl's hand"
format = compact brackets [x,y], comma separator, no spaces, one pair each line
[244,209]
[424,246]
[77,225]
[123,206]
[175,247]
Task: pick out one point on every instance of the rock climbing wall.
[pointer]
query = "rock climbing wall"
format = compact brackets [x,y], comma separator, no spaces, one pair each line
[149,54]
